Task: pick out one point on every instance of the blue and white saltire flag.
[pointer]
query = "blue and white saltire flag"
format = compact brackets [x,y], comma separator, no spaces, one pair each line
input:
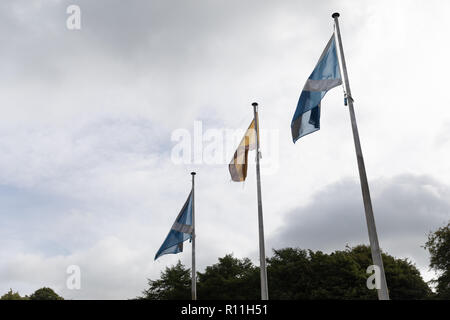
[326,75]
[181,231]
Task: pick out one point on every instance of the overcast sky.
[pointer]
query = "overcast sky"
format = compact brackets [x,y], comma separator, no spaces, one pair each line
[87,174]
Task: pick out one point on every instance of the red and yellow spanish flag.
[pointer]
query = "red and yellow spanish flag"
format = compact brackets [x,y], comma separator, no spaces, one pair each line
[239,163]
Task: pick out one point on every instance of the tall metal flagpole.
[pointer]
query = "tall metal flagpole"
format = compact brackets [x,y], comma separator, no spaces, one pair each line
[383,293]
[262,250]
[194,274]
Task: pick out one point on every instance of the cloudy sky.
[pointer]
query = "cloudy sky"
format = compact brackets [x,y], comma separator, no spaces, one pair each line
[90,117]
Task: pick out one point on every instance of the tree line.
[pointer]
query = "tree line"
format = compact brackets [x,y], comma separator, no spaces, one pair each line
[295,273]
[40,294]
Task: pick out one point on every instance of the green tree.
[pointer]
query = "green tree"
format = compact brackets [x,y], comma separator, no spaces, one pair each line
[293,274]
[288,274]
[301,274]
[338,276]
[402,276]
[175,284]
[11,295]
[45,294]
[438,246]
[231,278]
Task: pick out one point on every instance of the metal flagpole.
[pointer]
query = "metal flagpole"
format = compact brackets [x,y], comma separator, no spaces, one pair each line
[262,250]
[373,238]
[194,274]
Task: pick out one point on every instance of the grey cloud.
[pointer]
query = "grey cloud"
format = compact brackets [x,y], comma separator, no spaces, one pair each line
[406,208]
[172,42]
[85,131]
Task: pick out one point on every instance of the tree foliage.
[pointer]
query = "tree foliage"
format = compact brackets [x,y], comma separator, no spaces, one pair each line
[174,284]
[45,294]
[293,274]
[231,278]
[40,294]
[301,274]
[438,246]
[11,295]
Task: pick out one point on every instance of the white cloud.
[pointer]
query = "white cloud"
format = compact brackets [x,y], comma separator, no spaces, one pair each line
[87,116]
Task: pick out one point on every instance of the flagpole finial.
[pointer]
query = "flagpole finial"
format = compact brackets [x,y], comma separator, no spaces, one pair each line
[335,15]
[193,173]
[255,104]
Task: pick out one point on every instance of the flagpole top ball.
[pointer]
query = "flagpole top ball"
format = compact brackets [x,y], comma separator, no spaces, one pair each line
[335,15]
[193,173]
[254,104]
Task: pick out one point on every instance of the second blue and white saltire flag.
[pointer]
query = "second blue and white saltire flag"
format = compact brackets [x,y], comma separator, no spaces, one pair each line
[181,231]
[326,75]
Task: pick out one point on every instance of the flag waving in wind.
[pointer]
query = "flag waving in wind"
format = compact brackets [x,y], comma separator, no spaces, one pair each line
[326,75]
[239,164]
[181,231]
[238,171]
